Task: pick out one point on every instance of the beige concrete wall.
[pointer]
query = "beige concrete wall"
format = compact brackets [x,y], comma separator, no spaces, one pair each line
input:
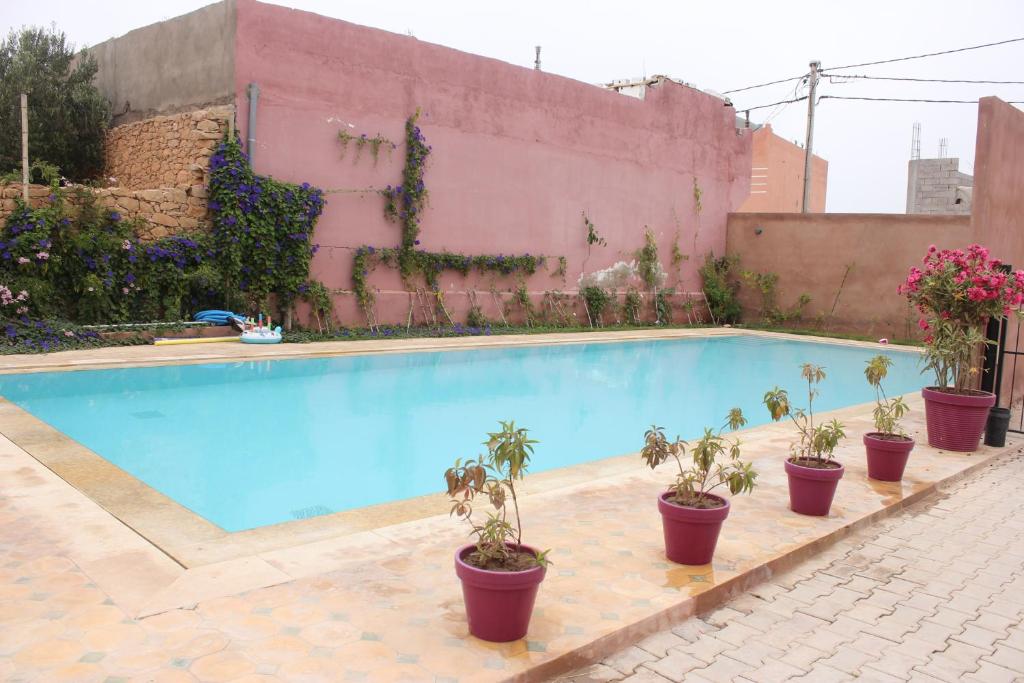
[180,64]
[811,253]
[777,176]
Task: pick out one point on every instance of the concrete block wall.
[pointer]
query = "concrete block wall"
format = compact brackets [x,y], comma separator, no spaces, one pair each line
[932,187]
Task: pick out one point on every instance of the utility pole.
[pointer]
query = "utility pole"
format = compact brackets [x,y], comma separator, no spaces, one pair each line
[24,147]
[808,152]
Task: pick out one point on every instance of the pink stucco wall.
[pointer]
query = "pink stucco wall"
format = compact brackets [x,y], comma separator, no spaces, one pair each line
[997,207]
[517,154]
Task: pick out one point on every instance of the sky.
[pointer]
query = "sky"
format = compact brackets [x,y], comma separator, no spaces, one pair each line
[714,45]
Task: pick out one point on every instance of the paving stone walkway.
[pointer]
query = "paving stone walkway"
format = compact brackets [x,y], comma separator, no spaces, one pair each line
[936,593]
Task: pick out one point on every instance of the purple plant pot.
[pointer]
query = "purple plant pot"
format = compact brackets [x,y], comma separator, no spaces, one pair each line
[956,421]
[887,458]
[811,490]
[498,604]
[691,534]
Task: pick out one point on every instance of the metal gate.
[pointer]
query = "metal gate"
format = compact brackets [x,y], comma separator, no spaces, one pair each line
[1001,358]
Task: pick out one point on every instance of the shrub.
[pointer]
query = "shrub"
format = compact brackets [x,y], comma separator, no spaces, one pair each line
[67,115]
[720,288]
[817,443]
[888,411]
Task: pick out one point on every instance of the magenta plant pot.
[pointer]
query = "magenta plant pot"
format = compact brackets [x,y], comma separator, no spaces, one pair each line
[956,421]
[887,458]
[498,604]
[691,534]
[811,490]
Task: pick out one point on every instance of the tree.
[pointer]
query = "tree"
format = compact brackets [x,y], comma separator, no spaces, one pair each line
[67,114]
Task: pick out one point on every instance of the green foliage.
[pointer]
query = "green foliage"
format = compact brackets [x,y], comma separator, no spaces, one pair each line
[767,285]
[262,229]
[592,236]
[597,300]
[647,261]
[67,114]
[817,442]
[476,318]
[698,197]
[89,267]
[707,472]
[319,299]
[951,353]
[39,172]
[562,266]
[405,202]
[361,141]
[888,412]
[493,476]
[663,305]
[720,288]
[631,306]
[522,297]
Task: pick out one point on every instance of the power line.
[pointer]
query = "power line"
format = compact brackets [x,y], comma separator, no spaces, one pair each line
[923,80]
[901,99]
[883,61]
[774,104]
[762,85]
[930,54]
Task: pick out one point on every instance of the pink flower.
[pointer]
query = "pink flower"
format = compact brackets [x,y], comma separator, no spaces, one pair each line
[42,256]
[923,324]
[22,260]
[69,333]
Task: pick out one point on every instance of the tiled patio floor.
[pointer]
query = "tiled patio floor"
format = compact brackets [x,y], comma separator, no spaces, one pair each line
[384,605]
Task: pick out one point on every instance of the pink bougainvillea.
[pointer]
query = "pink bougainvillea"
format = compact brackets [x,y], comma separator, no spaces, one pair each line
[962,286]
[956,292]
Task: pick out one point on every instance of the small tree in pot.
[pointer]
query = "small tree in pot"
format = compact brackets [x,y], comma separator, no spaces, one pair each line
[888,447]
[500,575]
[691,515]
[956,293]
[813,473]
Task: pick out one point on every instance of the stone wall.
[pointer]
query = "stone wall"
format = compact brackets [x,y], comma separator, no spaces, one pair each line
[162,211]
[158,169]
[165,151]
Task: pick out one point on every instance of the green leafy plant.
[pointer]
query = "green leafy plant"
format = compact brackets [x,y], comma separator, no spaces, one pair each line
[663,305]
[493,476]
[720,288]
[69,116]
[631,306]
[888,411]
[592,236]
[817,443]
[707,472]
[597,300]
[957,291]
[559,271]
[375,143]
[319,299]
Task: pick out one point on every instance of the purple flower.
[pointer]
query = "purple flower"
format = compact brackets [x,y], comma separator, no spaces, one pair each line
[115,216]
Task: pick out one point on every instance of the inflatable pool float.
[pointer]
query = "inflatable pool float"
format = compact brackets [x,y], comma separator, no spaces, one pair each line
[262,335]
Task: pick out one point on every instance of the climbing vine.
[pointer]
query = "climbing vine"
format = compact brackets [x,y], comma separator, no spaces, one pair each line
[375,143]
[262,229]
[404,203]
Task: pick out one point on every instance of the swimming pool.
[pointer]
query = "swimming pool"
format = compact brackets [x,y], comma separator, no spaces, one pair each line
[248,444]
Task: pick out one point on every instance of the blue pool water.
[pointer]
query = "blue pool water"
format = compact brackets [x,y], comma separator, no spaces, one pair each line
[254,443]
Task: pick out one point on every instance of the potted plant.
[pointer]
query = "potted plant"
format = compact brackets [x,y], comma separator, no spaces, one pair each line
[500,575]
[692,516]
[813,473]
[888,447]
[956,293]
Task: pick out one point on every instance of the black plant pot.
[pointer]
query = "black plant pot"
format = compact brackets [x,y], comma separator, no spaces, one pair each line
[996,426]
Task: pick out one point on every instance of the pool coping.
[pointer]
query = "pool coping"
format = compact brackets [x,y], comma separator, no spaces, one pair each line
[191,354]
[192,541]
